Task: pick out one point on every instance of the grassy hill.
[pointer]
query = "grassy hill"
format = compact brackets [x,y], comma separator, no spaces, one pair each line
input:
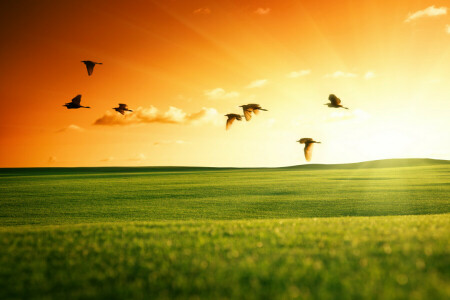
[374,230]
[385,163]
[86,195]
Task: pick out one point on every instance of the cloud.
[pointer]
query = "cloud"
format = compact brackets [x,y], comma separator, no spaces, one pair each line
[139,157]
[357,115]
[296,74]
[431,11]
[262,11]
[177,142]
[202,11]
[447,29]
[183,98]
[152,115]
[270,122]
[257,83]
[71,127]
[108,159]
[369,75]
[434,80]
[340,74]
[219,93]
[52,159]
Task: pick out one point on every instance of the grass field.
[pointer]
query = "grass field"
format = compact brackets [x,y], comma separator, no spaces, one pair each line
[375,230]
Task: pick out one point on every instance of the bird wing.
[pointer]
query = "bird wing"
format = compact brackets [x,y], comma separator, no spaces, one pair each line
[308,151]
[77,100]
[122,106]
[247,114]
[230,121]
[305,140]
[256,111]
[334,100]
[90,67]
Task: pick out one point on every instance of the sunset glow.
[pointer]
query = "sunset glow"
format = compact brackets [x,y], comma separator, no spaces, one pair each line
[182,65]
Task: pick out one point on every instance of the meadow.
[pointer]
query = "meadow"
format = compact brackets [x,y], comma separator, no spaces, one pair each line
[374,230]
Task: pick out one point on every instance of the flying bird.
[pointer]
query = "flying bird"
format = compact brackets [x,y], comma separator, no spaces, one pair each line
[249,108]
[75,103]
[90,66]
[335,102]
[309,142]
[231,118]
[122,108]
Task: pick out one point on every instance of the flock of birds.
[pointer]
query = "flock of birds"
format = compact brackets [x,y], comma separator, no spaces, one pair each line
[76,102]
[247,109]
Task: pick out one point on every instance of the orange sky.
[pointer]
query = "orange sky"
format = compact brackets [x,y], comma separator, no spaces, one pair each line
[389,61]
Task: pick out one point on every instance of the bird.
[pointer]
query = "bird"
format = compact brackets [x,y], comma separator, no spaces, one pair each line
[335,102]
[75,103]
[231,118]
[90,66]
[122,108]
[309,142]
[249,108]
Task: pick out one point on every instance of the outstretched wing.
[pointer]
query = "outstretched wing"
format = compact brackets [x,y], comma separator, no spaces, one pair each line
[76,100]
[256,111]
[247,114]
[305,140]
[230,121]
[308,151]
[122,106]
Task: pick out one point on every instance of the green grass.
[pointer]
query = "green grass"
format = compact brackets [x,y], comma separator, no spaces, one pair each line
[376,230]
[86,195]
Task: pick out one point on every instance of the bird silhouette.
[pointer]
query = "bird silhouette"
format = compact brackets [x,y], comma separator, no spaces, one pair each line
[309,142]
[90,66]
[231,118]
[122,108]
[75,103]
[249,108]
[335,102]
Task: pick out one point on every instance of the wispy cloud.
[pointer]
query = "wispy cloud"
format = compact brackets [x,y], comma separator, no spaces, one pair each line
[340,74]
[431,11]
[220,93]
[270,122]
[300,73]
[152,115]
[447,29]
[108,159]
[262,11]
[357,115]
[257,83]
[71,127]
[202,11]
[369,75]
[177,142]
[139,157]
[183,98]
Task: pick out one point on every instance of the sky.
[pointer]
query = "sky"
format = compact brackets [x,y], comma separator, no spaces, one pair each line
[182,65]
